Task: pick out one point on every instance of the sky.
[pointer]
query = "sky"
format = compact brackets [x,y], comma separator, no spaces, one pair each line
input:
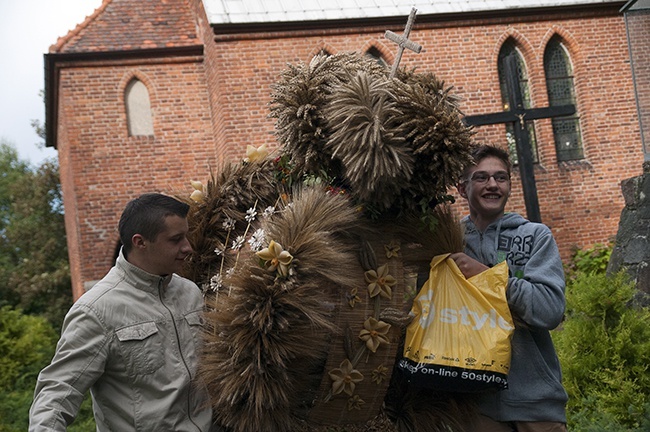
[27,30]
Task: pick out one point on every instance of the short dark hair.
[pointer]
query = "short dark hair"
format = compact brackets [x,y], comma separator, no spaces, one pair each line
[146,215]
[483,151]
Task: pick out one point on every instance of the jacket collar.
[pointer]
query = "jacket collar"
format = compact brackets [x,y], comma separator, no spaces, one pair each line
[139,278]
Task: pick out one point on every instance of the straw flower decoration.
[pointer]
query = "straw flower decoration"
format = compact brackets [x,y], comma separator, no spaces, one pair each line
[275,258]
[374,333]
[379,374]
[380,282]
[256,154]
[392,249]
[345,378]
[198,194]
[353,297]
[355,403]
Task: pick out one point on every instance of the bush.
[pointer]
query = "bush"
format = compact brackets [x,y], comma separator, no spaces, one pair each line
[27,344]
[591,260]
[604,348]
[14,412]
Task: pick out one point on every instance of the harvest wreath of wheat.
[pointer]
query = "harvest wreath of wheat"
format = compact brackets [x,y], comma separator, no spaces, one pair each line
[309,257]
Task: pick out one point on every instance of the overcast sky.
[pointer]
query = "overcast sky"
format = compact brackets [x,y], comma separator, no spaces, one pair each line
[27,29]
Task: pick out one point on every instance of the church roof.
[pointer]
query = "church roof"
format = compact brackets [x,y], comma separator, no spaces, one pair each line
[267,11]
[122,25]
[636,5]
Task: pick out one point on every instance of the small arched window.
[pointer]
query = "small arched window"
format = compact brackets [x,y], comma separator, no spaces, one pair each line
[138,109]
[323,52]
[561,91]
[374,54]
[509,48]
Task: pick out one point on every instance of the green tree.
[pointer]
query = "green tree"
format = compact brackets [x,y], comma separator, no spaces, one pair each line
[34,270]
[11,171]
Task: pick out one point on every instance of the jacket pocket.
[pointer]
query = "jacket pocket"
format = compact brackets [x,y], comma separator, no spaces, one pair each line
[194,318]
[531,376]
[195,321]
[141,347]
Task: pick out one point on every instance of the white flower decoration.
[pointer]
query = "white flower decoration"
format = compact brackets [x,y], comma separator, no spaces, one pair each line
[257,240]
[228,223]
[238,242]
[268,212]
[216,282]
[250,215]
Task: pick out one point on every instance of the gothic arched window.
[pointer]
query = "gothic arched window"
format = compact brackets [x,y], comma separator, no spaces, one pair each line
[374,54]
[509,48]
[138,109]
[559,85]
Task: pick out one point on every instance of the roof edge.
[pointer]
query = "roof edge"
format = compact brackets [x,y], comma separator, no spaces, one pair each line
[232,29]
[52,64]
[61,41]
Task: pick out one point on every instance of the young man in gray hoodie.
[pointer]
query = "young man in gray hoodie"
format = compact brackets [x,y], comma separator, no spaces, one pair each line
[535,398]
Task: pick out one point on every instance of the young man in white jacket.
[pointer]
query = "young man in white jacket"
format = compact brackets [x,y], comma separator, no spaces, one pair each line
[133,339]
[535,399]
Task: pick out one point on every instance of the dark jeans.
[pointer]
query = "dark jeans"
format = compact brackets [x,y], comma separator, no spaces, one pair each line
[486,424]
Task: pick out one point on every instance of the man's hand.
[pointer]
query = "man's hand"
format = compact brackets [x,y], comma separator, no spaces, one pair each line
[468,266]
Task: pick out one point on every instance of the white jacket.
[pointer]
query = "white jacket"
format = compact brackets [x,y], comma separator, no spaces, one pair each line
[132,340]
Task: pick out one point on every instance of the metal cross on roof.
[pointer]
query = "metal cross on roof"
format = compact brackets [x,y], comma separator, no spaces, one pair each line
[403,42]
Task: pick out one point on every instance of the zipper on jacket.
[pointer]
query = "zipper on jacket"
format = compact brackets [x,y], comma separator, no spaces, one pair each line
[180,350]
[480,247]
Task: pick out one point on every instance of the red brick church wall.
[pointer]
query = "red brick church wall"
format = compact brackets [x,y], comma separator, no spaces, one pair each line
[102,167]
[581,201]
[206,110]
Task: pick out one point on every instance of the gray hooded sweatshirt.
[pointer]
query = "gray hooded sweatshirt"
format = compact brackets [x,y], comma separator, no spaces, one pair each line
[535,295]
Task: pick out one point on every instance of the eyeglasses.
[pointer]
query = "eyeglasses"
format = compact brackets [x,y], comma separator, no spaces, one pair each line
[482,177]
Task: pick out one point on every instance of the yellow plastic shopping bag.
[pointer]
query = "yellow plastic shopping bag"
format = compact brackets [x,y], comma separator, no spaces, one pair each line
[459,339]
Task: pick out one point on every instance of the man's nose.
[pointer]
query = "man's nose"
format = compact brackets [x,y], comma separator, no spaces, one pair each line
[187,247]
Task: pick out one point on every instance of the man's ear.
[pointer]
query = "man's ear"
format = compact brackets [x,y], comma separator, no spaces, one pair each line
[461,189]
[138,241]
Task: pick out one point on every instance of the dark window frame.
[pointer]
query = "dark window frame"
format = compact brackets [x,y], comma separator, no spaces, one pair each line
[508,47]
[560,87]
